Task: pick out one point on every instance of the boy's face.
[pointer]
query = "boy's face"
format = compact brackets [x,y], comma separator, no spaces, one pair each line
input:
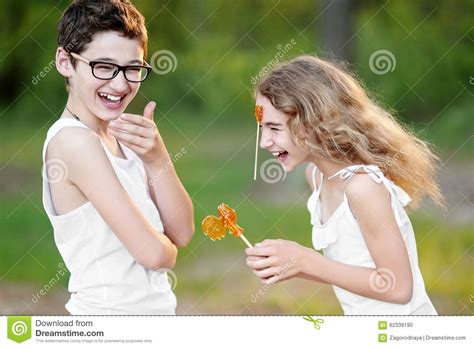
[91,92]
[276,137]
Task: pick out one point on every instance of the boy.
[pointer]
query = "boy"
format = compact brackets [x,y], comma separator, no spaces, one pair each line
[117,206]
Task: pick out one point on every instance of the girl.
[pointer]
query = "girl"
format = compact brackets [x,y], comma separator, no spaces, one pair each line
[117,207]
[363,169]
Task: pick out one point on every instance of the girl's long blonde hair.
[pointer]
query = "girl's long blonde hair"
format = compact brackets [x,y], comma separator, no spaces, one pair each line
[331,115]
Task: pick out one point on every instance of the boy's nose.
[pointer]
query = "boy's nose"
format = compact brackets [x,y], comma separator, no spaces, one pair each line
[119,83]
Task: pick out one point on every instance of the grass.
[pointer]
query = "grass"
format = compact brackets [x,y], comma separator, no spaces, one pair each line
[212,276]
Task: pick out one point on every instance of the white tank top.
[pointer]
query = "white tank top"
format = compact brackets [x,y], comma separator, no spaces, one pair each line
[341,240]
[105,279]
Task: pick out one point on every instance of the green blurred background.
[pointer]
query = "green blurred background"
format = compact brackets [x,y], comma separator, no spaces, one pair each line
[205,106]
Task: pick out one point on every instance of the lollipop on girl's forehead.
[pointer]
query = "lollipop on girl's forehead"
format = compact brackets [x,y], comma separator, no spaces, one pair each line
[216,227]
[258,116]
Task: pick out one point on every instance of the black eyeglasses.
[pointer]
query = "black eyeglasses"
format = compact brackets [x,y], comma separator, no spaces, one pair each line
[108,71]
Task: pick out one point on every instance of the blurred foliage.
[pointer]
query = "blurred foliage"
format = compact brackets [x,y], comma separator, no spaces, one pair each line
[220,46]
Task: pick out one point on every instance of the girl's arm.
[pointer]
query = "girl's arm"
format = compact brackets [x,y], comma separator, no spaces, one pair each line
[390,281]
[88,168]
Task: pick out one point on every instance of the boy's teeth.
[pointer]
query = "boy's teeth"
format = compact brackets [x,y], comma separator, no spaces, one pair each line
[110,97]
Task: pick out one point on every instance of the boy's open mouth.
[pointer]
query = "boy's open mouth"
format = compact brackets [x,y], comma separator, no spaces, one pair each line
[110,99]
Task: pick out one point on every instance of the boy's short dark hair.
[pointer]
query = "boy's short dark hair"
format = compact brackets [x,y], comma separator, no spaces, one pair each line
[84,18]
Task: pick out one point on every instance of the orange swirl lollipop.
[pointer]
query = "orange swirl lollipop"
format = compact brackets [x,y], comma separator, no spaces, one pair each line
[259,113]
[229,218]
[258,117]
[215,227]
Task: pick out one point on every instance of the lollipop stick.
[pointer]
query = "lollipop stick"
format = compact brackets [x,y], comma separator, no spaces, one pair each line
[246,241]
[256,153]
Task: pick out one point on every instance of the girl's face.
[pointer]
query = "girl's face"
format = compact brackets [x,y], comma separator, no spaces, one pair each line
[106,99]
[276,137]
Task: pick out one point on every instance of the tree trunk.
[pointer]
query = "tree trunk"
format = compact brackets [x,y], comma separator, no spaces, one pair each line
[337,28]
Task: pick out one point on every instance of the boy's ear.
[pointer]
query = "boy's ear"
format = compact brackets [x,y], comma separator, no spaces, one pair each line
[63,62]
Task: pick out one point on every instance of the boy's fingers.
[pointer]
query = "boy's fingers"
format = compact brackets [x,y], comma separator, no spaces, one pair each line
[137,119]
[129,138]
[128,127]
[149,110]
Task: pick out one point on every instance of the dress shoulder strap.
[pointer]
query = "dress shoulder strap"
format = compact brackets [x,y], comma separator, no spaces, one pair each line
[396,192]
[315,170]
[315,184]
[346,173]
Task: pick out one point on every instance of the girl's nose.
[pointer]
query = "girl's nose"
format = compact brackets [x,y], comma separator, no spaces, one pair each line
[265,141]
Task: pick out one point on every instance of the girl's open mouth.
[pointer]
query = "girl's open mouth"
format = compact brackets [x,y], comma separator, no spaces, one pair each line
[281,155]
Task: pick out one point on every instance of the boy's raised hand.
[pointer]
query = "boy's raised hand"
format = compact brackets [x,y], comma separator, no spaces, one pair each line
[140,134]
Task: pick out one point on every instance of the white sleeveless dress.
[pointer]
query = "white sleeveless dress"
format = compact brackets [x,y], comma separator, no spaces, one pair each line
[341,240]
[105,279]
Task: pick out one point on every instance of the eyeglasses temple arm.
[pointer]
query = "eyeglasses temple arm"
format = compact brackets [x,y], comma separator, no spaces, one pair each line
[75,55]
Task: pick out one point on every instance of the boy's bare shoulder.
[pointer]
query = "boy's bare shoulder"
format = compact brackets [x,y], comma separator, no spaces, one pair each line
[82,153]
[70,142]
